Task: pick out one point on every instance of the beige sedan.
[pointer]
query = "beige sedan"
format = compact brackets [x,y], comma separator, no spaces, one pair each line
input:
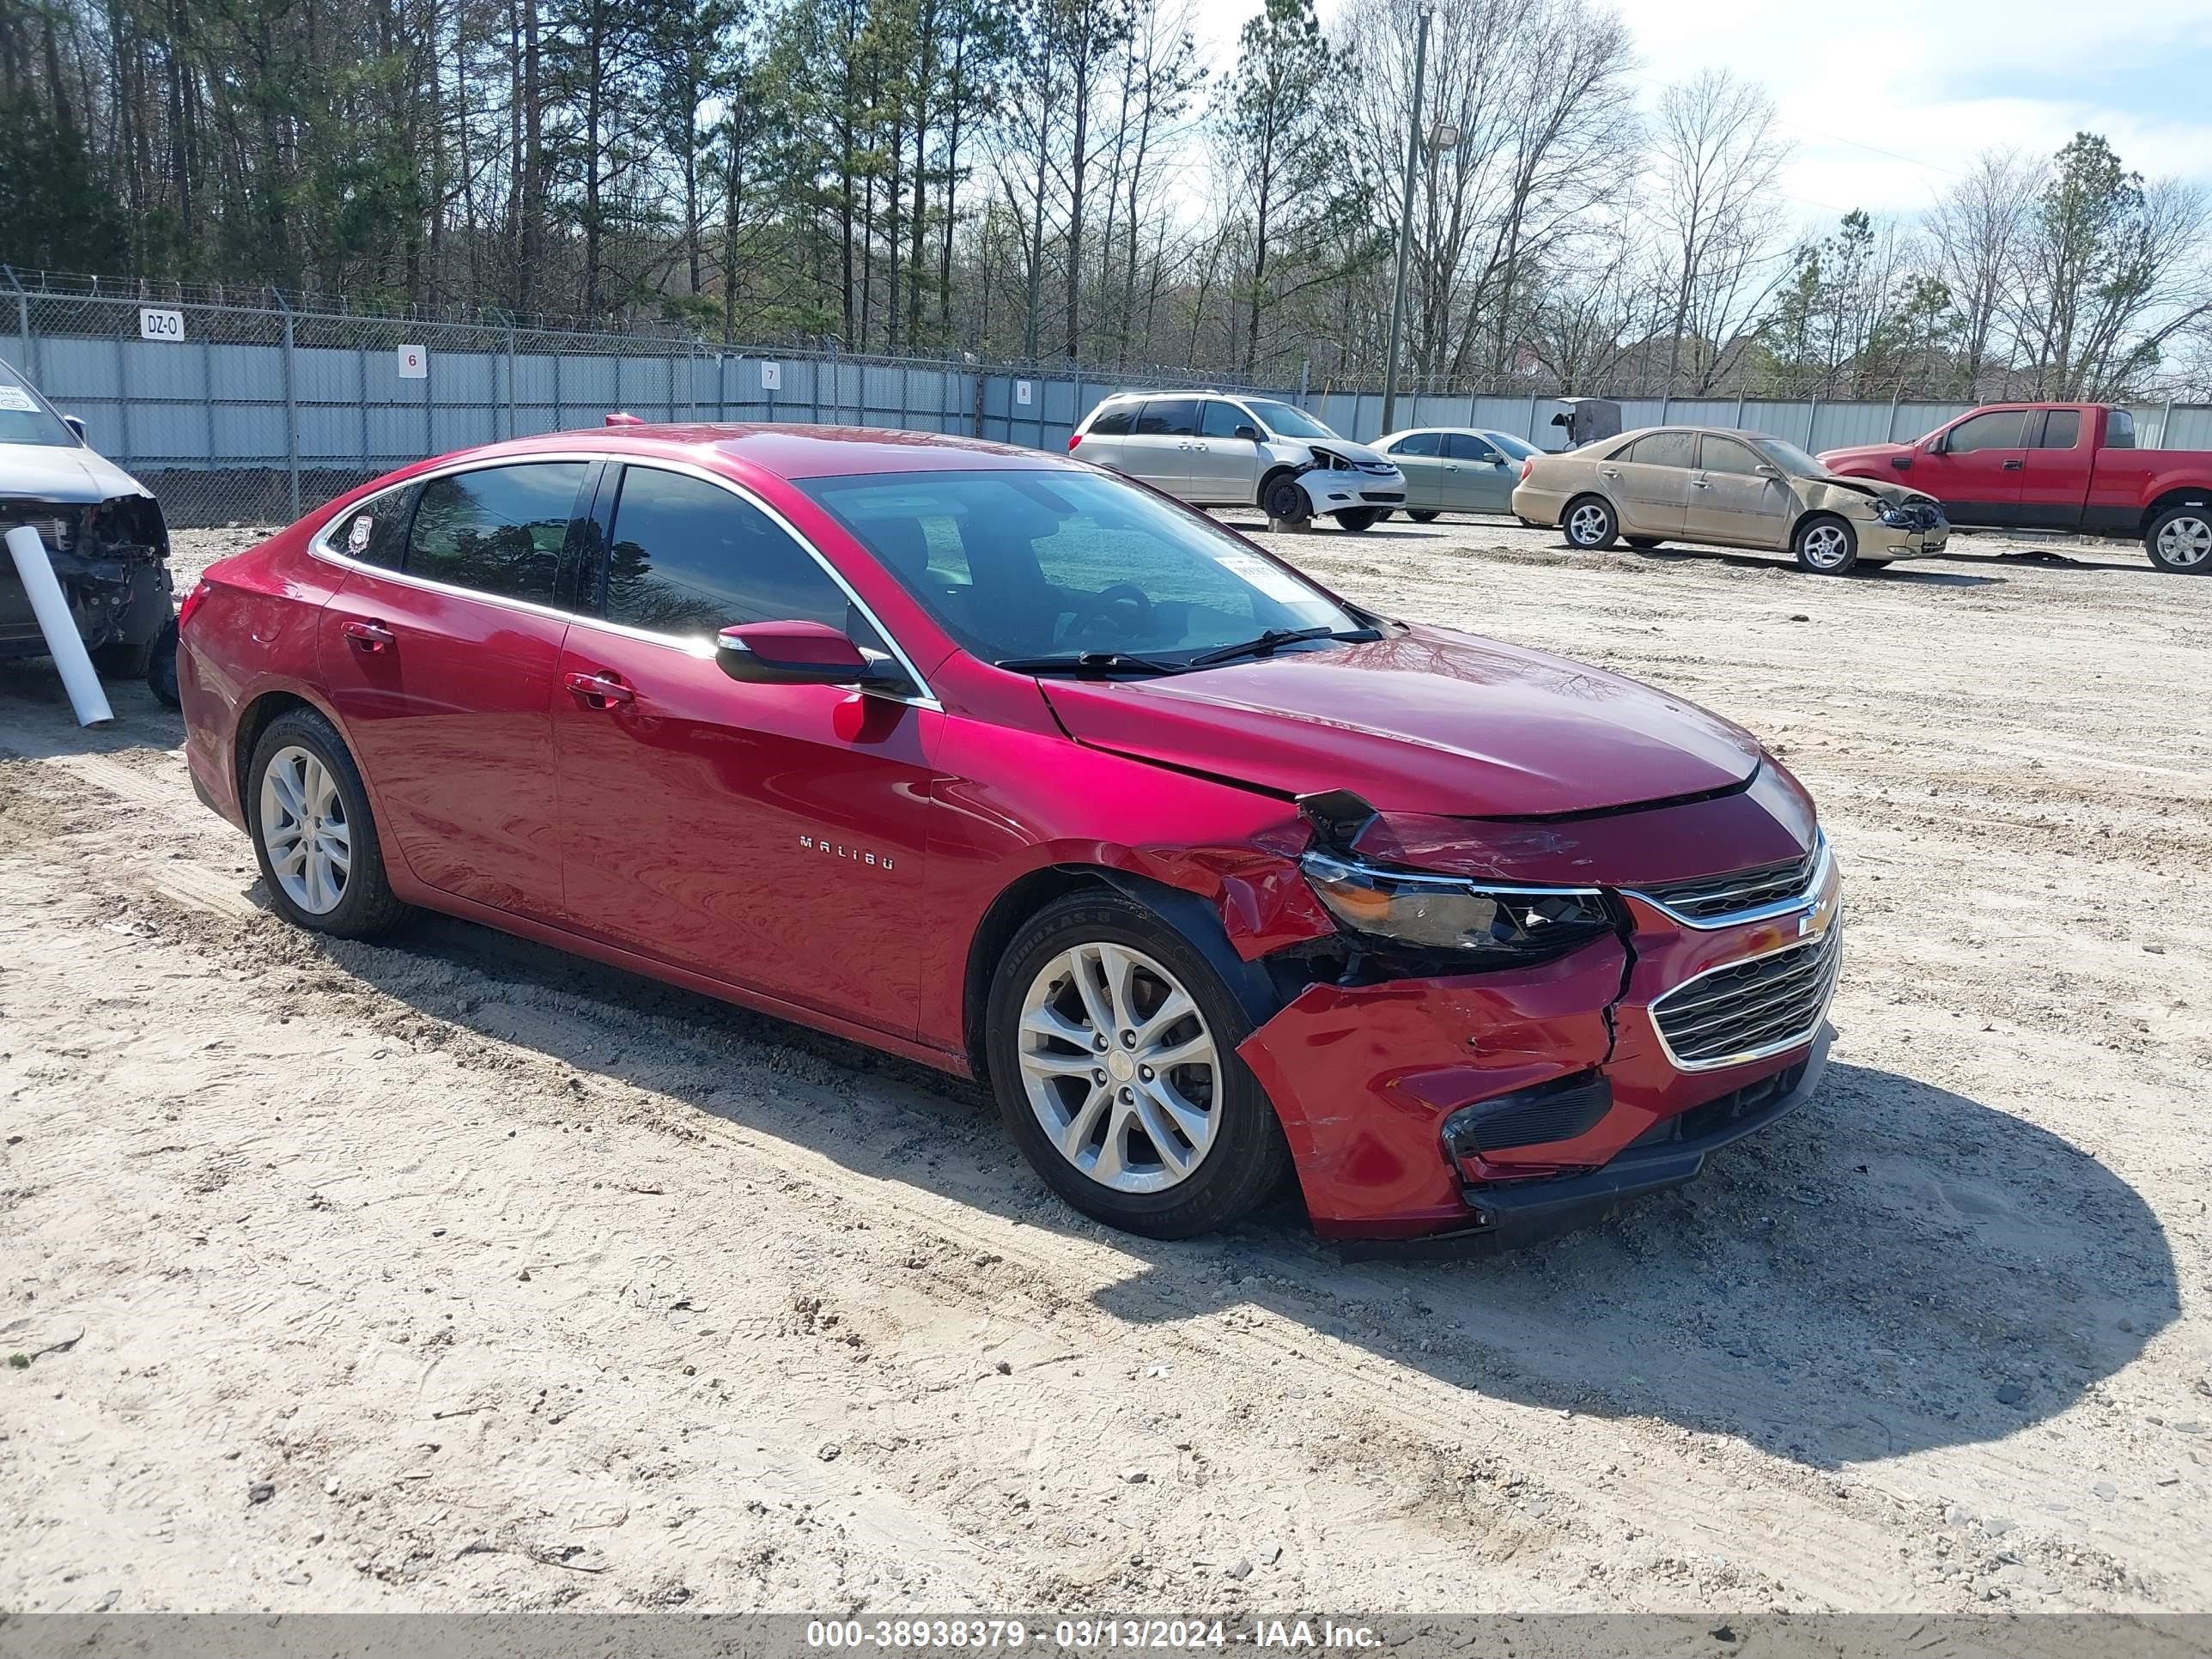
[1730,488]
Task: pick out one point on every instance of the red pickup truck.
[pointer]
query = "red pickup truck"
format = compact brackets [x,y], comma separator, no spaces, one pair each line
[2056,466]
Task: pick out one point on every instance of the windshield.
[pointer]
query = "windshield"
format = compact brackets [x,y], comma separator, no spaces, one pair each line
[1790,458]
[1284,421]
[26,417]
[1034,563]
[1513,448]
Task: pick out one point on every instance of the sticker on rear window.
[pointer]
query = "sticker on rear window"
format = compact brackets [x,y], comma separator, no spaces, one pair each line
[15,398]
[1275,583]
[357,537]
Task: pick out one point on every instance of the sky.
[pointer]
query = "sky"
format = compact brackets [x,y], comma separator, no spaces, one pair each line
[1884,104]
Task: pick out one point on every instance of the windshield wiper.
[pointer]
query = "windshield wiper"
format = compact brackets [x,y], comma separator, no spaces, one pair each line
[1086,662]
[1269,642]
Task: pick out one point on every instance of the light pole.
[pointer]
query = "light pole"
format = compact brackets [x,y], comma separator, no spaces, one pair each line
[1406,224]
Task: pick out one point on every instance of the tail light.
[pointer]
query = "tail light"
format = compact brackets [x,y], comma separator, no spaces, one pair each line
[1527,465]
[193,600]
[1073,439]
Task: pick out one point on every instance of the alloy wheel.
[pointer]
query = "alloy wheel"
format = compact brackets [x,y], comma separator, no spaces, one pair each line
[1826,547]
[1119,1067]
[304,827]
[1586,526]
[2185,543]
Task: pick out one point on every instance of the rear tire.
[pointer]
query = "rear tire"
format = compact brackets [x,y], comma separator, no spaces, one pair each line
[316,805]
[161,671]
[120,659]
[1825,545]
[1040,1034]
[1590,523]
[1358,518]
[2180,541]
[1424,517]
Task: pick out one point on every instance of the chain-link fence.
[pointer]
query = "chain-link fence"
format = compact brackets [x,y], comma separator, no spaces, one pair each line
[253,413]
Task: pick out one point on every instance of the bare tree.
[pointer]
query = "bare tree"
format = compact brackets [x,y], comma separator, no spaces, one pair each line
[1979,225]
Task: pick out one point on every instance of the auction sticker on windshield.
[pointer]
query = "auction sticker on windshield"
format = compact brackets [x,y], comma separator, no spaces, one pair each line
[15,398]
[1275,582]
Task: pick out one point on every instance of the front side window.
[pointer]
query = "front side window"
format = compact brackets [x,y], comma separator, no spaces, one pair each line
[1112,422]
[1515,449]
[2001,428]
[1725,455]
[1791,459]
[498,529]
[1285,421]
[1168,417]
[1662,449]
[689,557]
[1028,563]
[375,531]
[1417,444]
[1221,419]
[1466,447]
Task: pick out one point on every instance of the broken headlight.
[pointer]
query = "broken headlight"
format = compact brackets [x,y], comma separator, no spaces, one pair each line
[1485,920]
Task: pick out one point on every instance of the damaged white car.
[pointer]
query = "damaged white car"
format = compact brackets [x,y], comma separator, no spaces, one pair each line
[103,535]
[1219,449]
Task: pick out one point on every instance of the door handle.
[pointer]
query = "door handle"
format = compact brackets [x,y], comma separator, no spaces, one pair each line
[1609,471]
[2013,467]
[368,637]
[600,691]
[1697,483]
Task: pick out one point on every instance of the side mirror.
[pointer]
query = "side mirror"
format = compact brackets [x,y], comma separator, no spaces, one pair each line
[1248,432]
[1901,462]
[74,425]
[797,653]
[1766,471]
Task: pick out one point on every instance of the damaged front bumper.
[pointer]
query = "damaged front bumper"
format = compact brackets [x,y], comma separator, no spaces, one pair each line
[112,560]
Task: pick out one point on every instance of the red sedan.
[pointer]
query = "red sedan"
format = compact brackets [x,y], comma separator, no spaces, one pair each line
[1004,763]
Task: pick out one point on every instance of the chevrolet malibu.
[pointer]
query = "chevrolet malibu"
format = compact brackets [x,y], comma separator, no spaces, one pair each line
[1011,765]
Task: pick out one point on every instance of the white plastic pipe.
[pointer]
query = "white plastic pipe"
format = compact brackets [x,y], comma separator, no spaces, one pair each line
[63,642]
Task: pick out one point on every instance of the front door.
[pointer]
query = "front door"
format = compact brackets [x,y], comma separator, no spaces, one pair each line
[1650,482]
[769,835]
[1731,501]
[1974,468]
[443,673]
[1477,479]
[1157,449]
[1224,468]
[1419,456]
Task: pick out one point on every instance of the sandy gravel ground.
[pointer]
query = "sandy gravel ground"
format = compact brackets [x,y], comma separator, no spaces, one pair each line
[453,1273]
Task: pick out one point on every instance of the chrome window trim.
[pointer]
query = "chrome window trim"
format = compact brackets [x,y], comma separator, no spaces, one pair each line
[698,645]
[1833,932]
[1804,899]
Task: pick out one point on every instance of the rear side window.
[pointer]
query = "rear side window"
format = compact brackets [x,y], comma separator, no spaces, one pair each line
[2120,431]
[1170,418]
[1417,444]
[498,529]
[1112,422]
[1662,449]
[2061,427]
[688,557]
[1466,447]
[2001,428]
[375,531]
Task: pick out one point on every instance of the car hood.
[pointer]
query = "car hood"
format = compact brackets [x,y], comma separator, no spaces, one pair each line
[1347,450]
[1861,455]
[1427,721]
[1894,495]
[42,472]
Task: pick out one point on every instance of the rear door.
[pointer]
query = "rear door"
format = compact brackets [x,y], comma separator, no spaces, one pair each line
[1975,467]
[1649,483]
[1103,443]
[1224,468]
[1476,478]
[1731,501]
[443,672]
[2055,463]
[1157,449]
[768,836]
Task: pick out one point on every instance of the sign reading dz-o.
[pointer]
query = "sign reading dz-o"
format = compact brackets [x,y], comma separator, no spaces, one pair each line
[414,363]
[154,323]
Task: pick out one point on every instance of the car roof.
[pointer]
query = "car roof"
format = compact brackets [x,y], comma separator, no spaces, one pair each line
[784,451]
[1176,392]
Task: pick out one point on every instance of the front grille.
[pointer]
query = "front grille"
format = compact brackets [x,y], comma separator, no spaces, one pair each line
[1531,1117]
[1710,897]
[1377,466]
[1717,1115]
[1750,1008]
[1393,496]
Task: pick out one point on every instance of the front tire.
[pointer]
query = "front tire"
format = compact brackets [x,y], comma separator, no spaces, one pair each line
[2180,542]
[1590,523]
[1284,500]
[121,659]
[1111,1043]
[312,833]
[161,669]
[1425,516]
[1358,518]
[1825,545]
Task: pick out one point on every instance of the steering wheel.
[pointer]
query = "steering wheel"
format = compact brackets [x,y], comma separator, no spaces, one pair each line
[1113,605]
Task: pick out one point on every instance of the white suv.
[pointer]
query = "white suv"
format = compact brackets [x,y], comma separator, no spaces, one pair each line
[1216,450]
